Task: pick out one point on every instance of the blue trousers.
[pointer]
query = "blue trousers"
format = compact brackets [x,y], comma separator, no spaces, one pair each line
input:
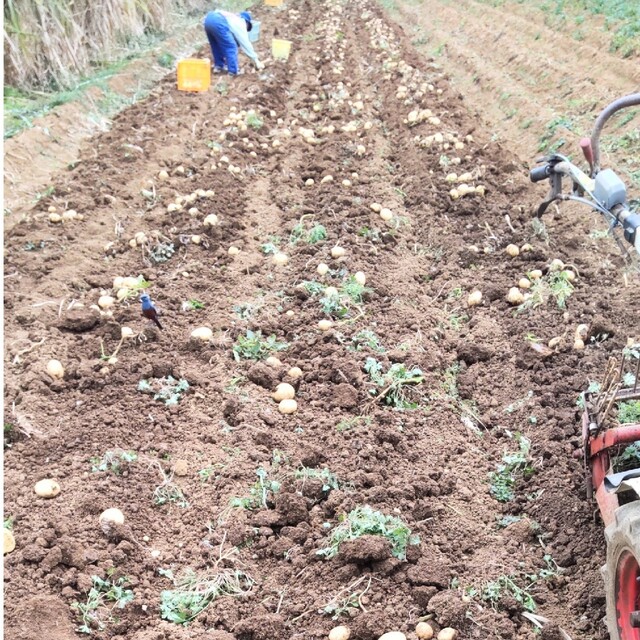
[223,45]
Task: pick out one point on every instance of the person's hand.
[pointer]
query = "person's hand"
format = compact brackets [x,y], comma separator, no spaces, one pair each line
[259,65]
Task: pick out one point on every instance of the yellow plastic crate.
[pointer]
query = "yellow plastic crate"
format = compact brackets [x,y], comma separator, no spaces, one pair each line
[280,49]
[194,74]
[273,3]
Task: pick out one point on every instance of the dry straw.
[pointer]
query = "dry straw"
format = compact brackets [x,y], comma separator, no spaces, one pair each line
[50,43]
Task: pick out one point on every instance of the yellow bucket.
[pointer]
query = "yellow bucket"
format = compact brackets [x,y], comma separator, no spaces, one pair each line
[194,75]
[280,49]
[273,3]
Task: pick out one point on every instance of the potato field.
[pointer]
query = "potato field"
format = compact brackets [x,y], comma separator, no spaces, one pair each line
[362,408]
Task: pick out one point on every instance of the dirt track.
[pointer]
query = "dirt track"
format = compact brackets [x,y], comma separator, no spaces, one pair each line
[483,382]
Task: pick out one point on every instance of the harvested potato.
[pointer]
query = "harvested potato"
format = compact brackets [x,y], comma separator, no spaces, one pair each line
[424,631]
[9,542]
[280,259]
[284,391]
[448,633]
[325,325]
[47,488]
[295,372]
[203,334]
[55,369]
[339,633]
[288,406]
[475,298]
[515,296]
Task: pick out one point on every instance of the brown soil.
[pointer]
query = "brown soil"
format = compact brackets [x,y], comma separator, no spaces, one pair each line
[426,466]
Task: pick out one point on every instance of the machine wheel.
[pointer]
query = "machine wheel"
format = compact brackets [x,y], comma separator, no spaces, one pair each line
[622,573]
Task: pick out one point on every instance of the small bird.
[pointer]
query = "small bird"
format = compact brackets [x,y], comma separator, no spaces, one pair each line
[148,310]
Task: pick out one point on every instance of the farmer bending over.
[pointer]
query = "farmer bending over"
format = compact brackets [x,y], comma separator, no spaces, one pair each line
[226,32]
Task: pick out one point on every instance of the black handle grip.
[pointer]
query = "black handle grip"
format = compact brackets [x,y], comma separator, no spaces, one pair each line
[540,173]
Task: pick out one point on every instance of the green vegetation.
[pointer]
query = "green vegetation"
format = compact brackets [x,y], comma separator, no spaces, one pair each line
[518,587]
[161,252]
[364,521]
[251,346]
[515,464]
[328,478]
[254,121]
[169,492]
[261,494]
[629,412]
[105,597]
[192,305]
[348,601]
[271,246]
[352,423]
[114,461]
[392,385]
[365,338]
[556,285]
[167,389]
[194,592]
[317,233]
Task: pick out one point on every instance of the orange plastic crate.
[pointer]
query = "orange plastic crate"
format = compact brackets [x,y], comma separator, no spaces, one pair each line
[194,75]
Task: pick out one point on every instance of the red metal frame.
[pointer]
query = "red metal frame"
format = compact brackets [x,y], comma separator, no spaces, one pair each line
[627,595]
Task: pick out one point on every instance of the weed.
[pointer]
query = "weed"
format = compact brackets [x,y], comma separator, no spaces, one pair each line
[135,289]
[252,347]
[352,423]
[316,234]
[32,246]
[193,592]
[261,494]
[329,479]
[354,290]
[629,412]
[514,464]
[192,305]
[366,338]
[560,287]
[505,521]
[271,246]
[166,59]
[167,491]
[510,586]
[167,389]
[628,459]
[254,121]
[312,287]
[555,284]
[113,461]
[8,523]
[393,383]
[334,306]
[234,384]
[98,610]
[373,235]
[364,521]
[348,600]
[207,473]
[244,311]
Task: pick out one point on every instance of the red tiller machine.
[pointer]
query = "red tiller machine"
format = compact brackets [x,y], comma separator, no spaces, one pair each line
[617,492]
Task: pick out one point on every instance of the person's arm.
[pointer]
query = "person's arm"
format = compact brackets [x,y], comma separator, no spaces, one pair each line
[239,30]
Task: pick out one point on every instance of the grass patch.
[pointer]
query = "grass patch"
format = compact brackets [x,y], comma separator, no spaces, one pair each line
[363,521]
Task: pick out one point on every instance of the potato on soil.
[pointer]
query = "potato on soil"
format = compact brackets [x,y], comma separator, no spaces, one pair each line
[55,369]
[514,296]
[47,488]
[448,633]
[295,372]
[284,391]
[111,516]
[475,298]
[9,542]
[203,334]
[393,635]
[339,633]
[280,259]
[424,631]
[288,406]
